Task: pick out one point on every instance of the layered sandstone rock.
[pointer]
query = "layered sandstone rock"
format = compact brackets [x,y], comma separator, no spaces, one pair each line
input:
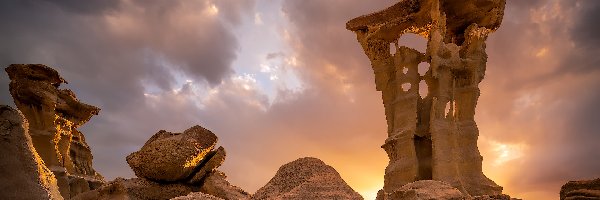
[586,189]
[54,115]
[433,137]
[306,178]
[172,157]
[23,173]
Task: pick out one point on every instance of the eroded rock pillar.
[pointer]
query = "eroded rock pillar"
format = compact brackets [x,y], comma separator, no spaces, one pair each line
[54,115]
[435,136]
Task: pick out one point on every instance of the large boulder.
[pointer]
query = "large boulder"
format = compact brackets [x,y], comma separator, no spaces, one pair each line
[427,189]
[585,189]
[23,173]
[137,189]
[306,178]
[172,157]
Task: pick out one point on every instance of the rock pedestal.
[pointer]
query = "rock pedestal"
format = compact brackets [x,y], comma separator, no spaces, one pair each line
[54,115]
[431,137]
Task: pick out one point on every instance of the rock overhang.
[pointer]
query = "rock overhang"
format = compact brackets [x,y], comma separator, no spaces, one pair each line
[414,16]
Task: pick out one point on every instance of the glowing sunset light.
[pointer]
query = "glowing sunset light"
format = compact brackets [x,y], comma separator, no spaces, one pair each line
[277,80]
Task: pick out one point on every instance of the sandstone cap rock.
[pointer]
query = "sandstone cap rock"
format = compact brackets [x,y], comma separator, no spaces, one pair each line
[170,157]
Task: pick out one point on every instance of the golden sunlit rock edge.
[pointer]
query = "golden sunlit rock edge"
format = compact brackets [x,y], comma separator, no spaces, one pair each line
[431,144]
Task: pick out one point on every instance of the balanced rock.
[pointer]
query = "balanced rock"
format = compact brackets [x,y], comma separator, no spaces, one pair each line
[23,173]
[171,157]
[215,184]
[586,189]
[54,115]
[136,189]
[306,178]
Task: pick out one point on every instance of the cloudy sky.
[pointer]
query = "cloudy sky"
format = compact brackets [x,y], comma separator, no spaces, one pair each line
[277,80]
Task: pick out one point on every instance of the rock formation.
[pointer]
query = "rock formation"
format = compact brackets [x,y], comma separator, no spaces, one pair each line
[588,189]
[54,115]
[306,178]
[172,157]
[23,173]
[173,165]
[426,189]
[432,137]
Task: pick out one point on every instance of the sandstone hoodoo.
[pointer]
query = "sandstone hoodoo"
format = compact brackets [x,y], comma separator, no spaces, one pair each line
[306,178]
[432,137]
[54,115]
[23,174]
[173,165]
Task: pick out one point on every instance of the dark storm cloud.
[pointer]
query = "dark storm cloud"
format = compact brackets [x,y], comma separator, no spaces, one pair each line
[586,32]
[89,7]
[112,52]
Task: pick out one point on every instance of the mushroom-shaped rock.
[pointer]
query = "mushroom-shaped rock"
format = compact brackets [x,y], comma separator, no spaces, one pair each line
[306,178]
[427,189]
[170,157]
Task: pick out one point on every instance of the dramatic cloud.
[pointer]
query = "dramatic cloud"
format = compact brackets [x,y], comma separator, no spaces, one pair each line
[278,80]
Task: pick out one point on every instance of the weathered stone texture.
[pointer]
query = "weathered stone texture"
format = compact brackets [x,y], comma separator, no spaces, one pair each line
[54,115]
[427,189]
[306,178]
[137,189]
[433,137]
[171,157]
[585,189]
[216,185]
[23,174]
[211,162]
[197,196]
